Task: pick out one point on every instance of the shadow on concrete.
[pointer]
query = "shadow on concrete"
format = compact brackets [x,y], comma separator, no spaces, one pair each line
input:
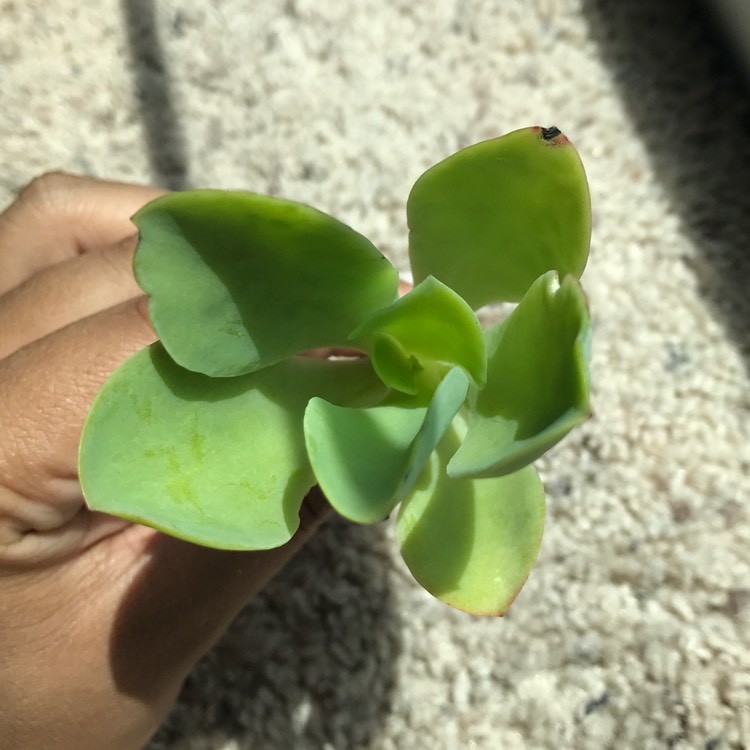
[691,106]
[164,136]
[309,664]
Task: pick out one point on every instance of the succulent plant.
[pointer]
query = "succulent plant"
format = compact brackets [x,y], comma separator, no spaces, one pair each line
[215,433]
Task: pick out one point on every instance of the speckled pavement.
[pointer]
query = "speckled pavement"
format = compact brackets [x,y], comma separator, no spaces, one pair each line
[633,631]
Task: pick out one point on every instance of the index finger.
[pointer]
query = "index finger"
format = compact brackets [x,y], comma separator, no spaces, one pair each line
[59,216]
[46,389]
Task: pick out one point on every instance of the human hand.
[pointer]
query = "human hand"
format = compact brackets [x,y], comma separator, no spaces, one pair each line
[100,620]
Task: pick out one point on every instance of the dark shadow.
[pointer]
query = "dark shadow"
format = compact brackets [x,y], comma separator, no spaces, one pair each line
[309,664]
[691,106]
[164,136]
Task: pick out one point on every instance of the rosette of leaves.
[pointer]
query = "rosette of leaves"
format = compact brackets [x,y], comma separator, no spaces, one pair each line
[216,433]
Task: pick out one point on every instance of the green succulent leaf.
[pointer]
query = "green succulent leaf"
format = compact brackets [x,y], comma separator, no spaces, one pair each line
[240,281]
[447,400]
[216,461]
[416,340]
[495,216]
[537,386]
[359,456]
[215,433]
[366,460]
[471,542]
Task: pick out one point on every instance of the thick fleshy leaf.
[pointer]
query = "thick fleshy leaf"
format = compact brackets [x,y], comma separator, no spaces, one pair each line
[240,281]
[495,216]
[448,399]
[367,460]
[413,342]
[359,456]
[537,386]
[472,542]
[216,461]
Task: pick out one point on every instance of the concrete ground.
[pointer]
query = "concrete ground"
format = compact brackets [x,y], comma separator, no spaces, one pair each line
[634,628]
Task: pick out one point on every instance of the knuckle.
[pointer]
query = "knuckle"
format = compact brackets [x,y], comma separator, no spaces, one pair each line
[47,183]
[115,261]
[46,190]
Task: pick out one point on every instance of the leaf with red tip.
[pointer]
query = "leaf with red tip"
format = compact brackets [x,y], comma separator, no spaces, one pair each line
[472,542]
[495,216]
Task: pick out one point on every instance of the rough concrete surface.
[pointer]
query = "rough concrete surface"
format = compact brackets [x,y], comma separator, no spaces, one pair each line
[634,628]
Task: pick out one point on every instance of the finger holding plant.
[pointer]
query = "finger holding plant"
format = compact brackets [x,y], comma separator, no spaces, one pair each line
[216,433]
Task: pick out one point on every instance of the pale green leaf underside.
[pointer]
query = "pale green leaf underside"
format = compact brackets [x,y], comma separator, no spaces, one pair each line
[472,542]
[217,461]
[360,455]
[240,281]
[537,386]
[493,217]
[366,460]
[421,336]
